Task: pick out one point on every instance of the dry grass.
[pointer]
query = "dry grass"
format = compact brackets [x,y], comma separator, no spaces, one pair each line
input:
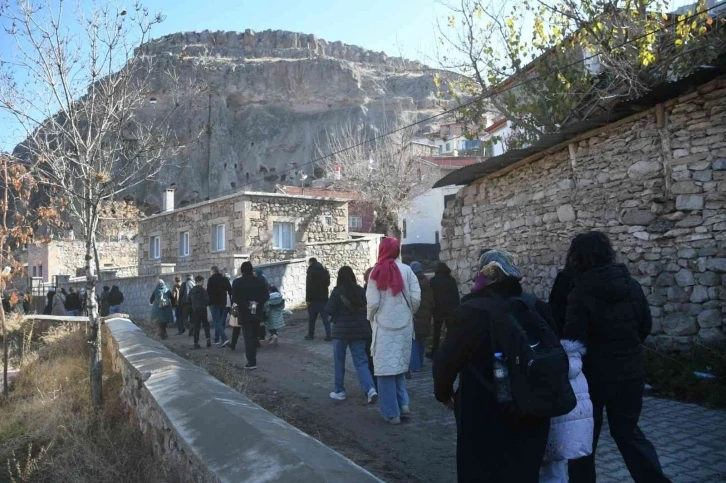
[50,433]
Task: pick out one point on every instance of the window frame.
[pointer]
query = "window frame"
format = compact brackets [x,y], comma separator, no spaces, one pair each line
[182,245]
[277,237]
[155,247]
[358,225]
[215,238]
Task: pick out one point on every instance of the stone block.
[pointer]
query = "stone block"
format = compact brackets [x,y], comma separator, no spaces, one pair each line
[708,319]
[719,165]
[677,295]
[709,279]
[632,216]
[685,187]
[566,213]
[680,324]
[699,165]
[690,222]
[644,168]
[665,279]
[673,343]
[716,264]
[699,294]
[703,176]
[711,336]
[689,202]
[684,278]
[687,253]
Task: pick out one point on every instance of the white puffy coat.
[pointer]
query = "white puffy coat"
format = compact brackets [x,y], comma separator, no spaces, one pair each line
[392,323]
[571,435]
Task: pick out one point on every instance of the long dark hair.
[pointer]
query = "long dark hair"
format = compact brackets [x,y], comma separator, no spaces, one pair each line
[590,250]
[347,280]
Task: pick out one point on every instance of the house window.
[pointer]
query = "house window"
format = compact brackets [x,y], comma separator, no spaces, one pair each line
[448,147]
[403,228]
[40,270]
[328,221]
[282,236]
[35,271]
[155,248]
[447,199]
[441,149]
[218,238]
[355,222]
[184,244]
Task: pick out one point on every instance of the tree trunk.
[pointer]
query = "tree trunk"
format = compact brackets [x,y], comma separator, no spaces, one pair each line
[387,224]
[95,341]
[5,352]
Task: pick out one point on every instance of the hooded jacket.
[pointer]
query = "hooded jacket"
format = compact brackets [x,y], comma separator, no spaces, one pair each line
[422,318]
[446,292]
[348,317]
[607,311]
[161,315]
[274,306]
[317,283]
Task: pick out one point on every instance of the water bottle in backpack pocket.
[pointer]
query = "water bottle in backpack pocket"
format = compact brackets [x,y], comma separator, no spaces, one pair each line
[536,364]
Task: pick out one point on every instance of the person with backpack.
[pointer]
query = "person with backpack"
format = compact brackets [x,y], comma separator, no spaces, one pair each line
[393,296]
[608,313]
[274,308]
[218,288]
[161,313]
[502,414]
[115,299]
[347,310]
[186,304]
[176,305]
[317,282]
[421,320]
[446,299]
[249,294]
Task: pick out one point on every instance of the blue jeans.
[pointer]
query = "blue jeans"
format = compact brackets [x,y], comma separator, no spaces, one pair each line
[418,351]
[553,472]
[218,313]
[314,308]
[114,309]
[72,313]
[392,395]
[360,361]
[179,319]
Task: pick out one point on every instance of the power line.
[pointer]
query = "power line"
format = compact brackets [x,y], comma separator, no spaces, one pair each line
[493,91]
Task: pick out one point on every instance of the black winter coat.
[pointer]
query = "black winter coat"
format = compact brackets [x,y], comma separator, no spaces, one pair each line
[73,302]
[199,298]
[249,288]
[349,319]
[446,295]
[607,311]
[218,287]
[492,445]
[317,283]
[564,283]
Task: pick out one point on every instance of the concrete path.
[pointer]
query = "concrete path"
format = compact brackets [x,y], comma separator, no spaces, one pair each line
[294,380]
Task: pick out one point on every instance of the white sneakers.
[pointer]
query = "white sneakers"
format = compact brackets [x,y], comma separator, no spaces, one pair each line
[273,340]
[338,396]
[372,395]
[341,396]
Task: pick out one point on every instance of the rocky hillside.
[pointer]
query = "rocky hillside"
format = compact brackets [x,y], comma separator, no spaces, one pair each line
[270,95]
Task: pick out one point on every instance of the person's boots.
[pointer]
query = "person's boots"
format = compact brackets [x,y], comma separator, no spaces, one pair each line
[209,343]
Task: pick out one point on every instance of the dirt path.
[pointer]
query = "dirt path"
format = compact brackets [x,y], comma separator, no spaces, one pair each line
[294,381]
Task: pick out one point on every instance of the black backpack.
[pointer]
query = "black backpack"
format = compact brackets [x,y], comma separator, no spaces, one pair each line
[538,365]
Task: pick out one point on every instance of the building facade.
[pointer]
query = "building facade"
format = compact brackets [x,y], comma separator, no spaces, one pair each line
[361,217]
[260,227]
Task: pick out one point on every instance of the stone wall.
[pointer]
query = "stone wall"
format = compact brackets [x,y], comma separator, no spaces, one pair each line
[359,254]
[289,278]
[67,257]
[171,401]
[248,219]
[658,189]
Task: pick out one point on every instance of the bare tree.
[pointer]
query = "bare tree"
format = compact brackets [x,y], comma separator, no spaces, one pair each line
[380,163]
[543,63]
[83,86]
[20,225]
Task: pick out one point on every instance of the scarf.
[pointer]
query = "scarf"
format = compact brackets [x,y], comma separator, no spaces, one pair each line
[495,266]
[386,273]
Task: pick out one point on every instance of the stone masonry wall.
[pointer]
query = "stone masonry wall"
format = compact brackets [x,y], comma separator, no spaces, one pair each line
[66,257]
[242,443]
[360,254]
[658,191]
[248,220]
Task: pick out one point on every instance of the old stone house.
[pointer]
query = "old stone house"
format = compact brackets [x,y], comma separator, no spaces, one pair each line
[260,227]
[361,218]
[652,175]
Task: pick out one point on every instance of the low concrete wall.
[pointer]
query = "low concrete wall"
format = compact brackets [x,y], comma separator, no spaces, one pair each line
[208,432]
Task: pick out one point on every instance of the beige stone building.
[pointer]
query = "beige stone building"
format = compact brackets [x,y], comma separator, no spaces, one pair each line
[260,227]
[68,257]
[651,175]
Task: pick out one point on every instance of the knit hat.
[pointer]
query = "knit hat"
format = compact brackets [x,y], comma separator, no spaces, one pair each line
[495,266]
[416,267]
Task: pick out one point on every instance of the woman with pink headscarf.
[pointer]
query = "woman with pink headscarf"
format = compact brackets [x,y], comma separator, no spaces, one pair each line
[393,295]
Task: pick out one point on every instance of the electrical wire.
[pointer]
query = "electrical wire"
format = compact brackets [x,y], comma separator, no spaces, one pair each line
[494,91]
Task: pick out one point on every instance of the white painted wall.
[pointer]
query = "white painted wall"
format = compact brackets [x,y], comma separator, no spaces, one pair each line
[502,132]
[423,216]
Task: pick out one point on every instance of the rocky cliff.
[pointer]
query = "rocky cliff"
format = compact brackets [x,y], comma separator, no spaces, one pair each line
[269,96]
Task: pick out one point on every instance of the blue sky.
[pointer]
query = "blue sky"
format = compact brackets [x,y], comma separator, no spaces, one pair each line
[396,27]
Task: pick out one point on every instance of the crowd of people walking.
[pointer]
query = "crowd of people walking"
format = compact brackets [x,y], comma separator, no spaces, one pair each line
[534,376]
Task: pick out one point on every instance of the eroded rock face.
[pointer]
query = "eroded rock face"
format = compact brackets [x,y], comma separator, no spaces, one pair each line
[271,95]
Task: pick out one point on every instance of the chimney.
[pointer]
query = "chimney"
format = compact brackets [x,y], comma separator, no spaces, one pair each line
[167,203]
